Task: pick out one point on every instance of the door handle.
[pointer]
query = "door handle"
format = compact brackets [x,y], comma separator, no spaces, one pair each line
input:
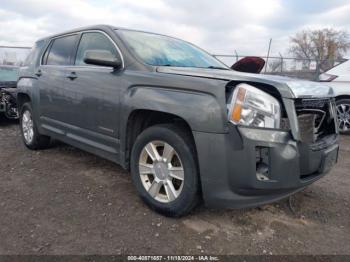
[38,73]
[72,75]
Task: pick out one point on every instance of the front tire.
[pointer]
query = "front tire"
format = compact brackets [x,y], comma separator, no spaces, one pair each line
[30,134]
[164,170]
[343,113]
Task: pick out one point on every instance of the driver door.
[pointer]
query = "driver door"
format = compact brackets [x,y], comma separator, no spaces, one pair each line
[96,94]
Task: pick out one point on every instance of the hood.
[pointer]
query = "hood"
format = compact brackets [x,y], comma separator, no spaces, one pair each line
[288,87]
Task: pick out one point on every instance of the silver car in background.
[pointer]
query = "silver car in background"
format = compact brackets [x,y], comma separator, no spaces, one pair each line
[339,79]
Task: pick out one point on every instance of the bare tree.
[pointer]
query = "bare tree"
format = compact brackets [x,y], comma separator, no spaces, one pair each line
[325,46]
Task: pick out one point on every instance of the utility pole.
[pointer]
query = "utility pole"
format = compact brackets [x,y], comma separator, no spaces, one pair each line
[236,55]
[281,62]
[268,54]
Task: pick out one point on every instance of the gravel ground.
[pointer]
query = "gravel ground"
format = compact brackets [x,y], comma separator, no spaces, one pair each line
[65,201]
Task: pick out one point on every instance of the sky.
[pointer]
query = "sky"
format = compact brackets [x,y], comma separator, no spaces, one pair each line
[219,26]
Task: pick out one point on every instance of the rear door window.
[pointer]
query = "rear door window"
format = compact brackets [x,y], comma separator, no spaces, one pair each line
[61,51]
[93,41]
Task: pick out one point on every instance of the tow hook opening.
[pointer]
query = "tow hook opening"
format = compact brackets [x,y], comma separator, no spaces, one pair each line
[262,163]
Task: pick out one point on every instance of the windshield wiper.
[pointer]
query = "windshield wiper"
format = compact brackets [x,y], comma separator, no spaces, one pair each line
[218,67]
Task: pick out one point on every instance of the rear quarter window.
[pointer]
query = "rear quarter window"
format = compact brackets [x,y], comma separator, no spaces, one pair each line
[34,53]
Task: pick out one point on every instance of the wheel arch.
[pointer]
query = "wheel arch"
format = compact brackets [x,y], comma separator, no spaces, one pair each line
[340,97]
[28,91]
[22,98]
[141,119]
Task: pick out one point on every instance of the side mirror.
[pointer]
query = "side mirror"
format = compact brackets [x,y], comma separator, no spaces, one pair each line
[102,58]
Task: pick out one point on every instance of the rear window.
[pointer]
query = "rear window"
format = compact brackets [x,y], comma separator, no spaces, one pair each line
[60,51]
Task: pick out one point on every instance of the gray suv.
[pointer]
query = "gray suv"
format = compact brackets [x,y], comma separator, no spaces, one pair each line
[188,127]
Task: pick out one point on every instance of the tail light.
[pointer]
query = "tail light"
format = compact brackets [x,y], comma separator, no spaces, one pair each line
[327,77]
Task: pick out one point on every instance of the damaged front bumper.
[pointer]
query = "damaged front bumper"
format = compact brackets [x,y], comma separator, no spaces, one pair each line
[249,167]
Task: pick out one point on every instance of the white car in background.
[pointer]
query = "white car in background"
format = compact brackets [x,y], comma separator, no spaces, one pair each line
[339,79]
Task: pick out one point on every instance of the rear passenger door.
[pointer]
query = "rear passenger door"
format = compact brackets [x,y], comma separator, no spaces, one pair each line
[96,93]
[55,99]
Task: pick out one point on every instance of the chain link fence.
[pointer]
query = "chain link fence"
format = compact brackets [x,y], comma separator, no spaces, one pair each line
[288,66]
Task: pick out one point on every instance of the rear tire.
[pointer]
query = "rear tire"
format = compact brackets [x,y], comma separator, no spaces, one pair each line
[343,113]
[164,170]
[30,134]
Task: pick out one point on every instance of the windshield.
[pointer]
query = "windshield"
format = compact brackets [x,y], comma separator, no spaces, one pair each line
[159,50]
[8,74]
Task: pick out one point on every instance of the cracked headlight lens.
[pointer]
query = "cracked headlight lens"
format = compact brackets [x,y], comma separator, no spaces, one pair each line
[252,107]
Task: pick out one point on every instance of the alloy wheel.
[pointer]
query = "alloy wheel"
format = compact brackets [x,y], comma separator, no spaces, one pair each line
[161,171]
[27,127]
[343,113]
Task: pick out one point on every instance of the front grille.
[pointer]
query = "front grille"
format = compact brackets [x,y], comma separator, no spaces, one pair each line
[316,118]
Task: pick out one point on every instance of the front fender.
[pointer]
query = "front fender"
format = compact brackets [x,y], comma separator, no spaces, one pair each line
[201,111]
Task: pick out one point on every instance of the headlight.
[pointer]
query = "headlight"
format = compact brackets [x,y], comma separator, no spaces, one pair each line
[252,107]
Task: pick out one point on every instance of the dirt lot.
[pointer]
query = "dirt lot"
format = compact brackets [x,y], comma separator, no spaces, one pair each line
[65,201]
